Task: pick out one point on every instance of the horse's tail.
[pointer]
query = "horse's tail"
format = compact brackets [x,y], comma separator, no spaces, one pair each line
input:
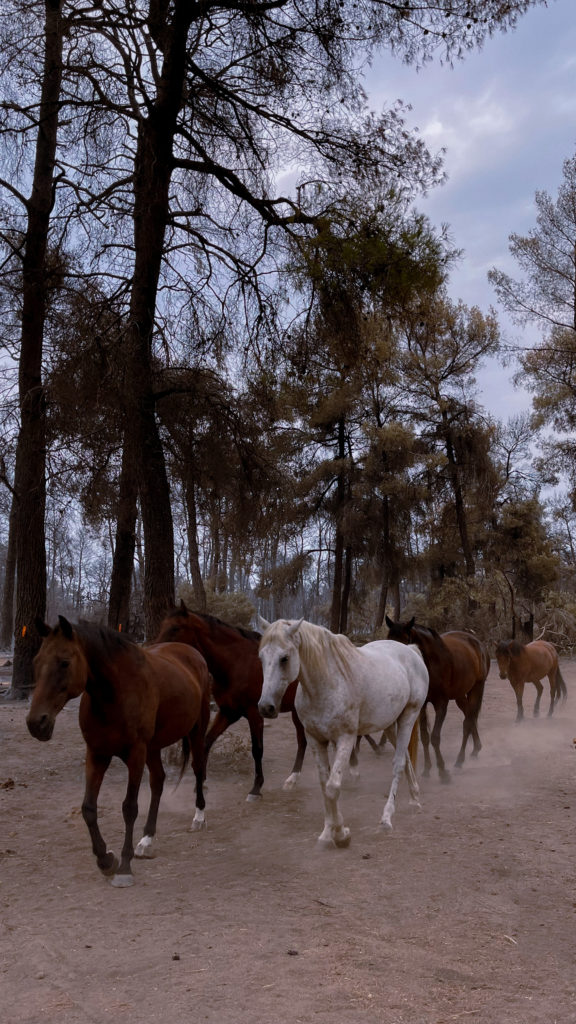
[561,690]
[413,743]
[186,750]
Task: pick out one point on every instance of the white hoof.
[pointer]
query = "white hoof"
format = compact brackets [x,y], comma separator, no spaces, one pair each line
[122,881]
[252,798]
[385,825]
[144,848]
[291,781]
[199,822]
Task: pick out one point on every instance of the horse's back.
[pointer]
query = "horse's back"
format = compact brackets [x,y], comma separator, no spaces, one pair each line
[540,656]
[470,656]
[398,668]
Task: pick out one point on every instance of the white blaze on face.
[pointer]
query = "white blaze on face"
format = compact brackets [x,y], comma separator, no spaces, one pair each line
[275,663]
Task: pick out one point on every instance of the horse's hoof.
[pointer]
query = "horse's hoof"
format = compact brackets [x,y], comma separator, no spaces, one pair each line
[253,797]
[122,881]
[343,840]
[291,781]
[109,865]
[385,826]
[197,825]
[144,849]
[445,778]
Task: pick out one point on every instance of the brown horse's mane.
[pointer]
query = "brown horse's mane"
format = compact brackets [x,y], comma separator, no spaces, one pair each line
[212,620]
[102,646]
[428,630]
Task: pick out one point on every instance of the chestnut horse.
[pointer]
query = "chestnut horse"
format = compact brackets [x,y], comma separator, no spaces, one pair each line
[457,664]
[529,663]
[134,701]
[231,653]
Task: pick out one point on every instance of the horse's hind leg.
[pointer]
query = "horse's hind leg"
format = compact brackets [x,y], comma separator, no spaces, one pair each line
[470,706]
[199,768]
[554,691]
[334,830]
[157,777]
[399,765]
[96,768]
[135,762]
[440,714]
[539,691]
[425,735]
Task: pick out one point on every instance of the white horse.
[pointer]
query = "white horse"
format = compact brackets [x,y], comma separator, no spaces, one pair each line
[345,692]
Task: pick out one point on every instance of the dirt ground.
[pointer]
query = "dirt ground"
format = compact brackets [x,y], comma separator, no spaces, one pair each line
[465,912]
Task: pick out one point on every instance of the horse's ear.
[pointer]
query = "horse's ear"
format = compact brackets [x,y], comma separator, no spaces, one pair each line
[42,627]
[293,629]
[66,627]
[183,607]
[263,623]
[389,622]
[412,621]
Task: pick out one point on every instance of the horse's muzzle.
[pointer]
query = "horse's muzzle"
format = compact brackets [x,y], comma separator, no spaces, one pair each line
[41,728]
[267,710]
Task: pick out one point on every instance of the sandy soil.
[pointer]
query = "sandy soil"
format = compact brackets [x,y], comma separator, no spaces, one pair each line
[465,912]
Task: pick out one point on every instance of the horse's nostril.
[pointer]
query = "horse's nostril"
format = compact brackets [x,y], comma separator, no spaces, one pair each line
[267,710]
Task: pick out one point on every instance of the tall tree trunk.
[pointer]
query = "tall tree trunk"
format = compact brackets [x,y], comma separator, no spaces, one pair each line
[346,586]
[30,469]
[152,175]
[338,574]
[461,520]
[124,547]
[7,625]
[384,564]
[193,552]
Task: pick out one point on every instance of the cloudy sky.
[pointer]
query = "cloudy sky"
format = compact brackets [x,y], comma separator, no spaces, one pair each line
[506,116]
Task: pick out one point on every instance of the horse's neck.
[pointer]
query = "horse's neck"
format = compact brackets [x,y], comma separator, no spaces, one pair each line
[324,673]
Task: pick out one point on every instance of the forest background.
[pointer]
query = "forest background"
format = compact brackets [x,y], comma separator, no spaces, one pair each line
[249,399]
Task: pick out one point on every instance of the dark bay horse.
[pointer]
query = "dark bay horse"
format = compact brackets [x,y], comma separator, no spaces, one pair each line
[231,653]
[457,664]
[529,663]
[134,702]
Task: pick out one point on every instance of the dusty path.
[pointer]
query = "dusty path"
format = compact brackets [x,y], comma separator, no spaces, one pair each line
[465,913]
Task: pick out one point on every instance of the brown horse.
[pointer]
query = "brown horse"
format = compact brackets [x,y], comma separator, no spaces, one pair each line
[529,663]
[457,664]
[231,653]
[134,702]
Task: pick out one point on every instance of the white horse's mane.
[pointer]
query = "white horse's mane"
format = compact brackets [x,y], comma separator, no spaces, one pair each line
[317,645]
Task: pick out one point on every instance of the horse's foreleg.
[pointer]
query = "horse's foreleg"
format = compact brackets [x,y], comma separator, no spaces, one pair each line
[539,691]
[399,765]
[301,750]
[96,768]
[134,762]
[157,777]
[519,693]
[256,723]
[334,830]
[440,710]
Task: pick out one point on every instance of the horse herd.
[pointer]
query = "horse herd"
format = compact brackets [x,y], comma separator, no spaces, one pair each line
[137,700]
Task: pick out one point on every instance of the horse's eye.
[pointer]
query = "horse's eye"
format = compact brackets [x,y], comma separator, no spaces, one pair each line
[64,663]
[284,659]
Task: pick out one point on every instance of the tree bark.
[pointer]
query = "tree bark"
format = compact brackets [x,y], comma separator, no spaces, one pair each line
[152,175]
[124,548]
[7,626]
[30,469]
